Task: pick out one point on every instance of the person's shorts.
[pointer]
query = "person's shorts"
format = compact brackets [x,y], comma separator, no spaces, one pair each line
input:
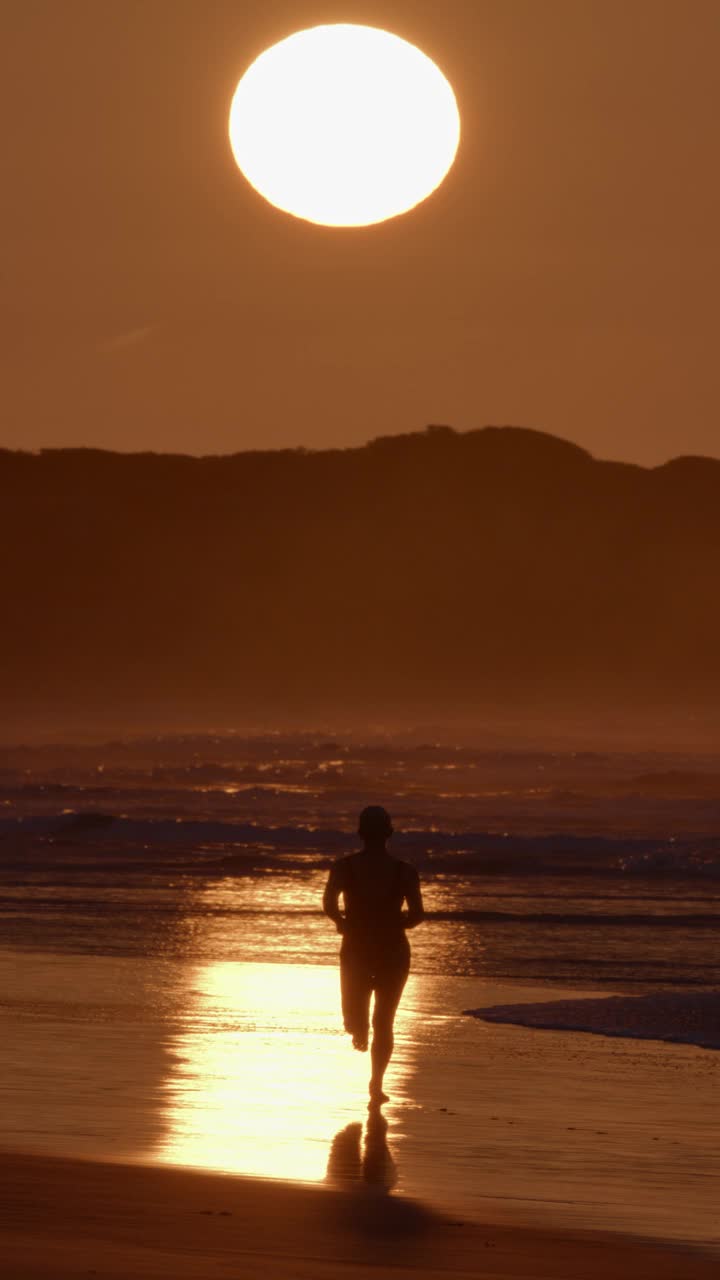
[364,970]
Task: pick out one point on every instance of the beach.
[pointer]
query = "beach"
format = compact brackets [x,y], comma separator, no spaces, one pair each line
[68,1219]
[247,1072]
[173,1053]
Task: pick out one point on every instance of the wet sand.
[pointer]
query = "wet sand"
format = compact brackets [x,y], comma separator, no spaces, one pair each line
[243,1071]
[66,1219]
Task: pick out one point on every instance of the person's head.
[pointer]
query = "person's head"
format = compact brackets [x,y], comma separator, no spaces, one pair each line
[374,826]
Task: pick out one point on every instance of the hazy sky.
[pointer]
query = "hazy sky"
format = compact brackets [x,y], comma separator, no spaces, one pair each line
[565,277]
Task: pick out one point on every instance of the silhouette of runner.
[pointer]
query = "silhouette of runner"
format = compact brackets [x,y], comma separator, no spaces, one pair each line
[374,953]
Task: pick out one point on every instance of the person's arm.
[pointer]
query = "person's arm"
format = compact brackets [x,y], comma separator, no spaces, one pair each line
[415,913]
[331,896]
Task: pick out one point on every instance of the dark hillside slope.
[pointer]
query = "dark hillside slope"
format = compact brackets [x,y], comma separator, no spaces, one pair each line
[437,571]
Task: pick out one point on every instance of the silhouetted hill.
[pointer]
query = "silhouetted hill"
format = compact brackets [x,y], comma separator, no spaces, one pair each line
[424,573]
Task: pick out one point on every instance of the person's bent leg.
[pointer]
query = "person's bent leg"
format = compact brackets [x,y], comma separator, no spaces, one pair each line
[355,991]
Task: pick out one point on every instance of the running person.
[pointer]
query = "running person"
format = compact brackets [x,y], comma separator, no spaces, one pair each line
[375,953]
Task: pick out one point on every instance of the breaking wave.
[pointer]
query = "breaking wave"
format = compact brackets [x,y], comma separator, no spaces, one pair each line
[448,852]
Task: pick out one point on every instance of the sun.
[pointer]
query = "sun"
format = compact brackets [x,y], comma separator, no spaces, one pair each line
[344,125]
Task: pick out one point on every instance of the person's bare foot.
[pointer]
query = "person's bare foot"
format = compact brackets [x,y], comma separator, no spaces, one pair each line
[360,1043]
[377,1097]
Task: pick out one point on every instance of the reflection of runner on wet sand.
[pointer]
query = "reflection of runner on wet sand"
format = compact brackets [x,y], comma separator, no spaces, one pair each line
[348,1165]
[375,953]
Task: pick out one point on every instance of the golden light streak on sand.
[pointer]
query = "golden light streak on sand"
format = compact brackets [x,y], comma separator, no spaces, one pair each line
[264,1075]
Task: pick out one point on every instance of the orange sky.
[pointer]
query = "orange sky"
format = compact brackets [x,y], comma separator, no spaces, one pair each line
[566,276]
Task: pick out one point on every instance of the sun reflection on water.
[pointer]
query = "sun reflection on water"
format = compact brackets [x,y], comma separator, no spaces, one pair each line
[264,1076]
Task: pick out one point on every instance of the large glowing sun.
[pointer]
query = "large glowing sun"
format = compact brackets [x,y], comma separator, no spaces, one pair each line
[344,125]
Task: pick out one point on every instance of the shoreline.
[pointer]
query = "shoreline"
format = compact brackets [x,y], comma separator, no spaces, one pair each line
[486,1122]
[65,1218]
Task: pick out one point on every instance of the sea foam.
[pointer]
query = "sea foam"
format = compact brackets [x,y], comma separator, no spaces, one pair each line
[677,1016]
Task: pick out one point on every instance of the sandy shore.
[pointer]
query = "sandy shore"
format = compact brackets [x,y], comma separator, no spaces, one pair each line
[66,1219]
[245,1073]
